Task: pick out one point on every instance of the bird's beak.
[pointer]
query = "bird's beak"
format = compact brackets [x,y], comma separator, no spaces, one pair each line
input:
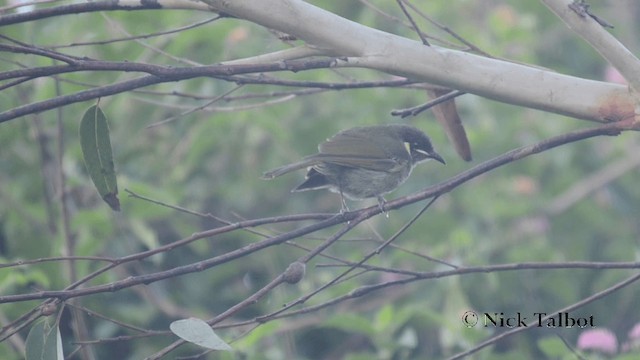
[430,155]
[435,156]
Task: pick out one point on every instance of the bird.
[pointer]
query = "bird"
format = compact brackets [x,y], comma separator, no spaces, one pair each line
[363,162]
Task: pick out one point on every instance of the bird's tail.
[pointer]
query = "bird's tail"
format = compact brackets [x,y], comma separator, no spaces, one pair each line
[303,164]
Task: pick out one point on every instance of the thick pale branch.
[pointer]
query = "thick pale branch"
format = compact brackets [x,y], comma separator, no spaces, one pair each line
[599,38]
[500,80]
[329,34]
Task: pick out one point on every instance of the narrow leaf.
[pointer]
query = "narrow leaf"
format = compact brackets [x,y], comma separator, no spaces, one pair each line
[44,342]
[35,341]
[98,157]
[198,332]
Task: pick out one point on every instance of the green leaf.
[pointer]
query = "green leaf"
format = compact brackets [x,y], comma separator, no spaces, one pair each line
[258,334]
[44,342]
[552,347]
[351,322]
[385,317]
[198,332]
[96,150]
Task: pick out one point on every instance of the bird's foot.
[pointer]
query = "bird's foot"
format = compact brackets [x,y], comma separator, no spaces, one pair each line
[344,208]
[381,203]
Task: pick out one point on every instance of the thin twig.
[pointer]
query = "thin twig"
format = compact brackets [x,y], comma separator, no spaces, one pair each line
[413,23]
[413,111]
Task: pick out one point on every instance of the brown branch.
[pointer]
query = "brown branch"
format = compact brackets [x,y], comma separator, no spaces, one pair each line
[413,23]
[446,29]
[446,186]
[421,276]
[168,73]
[22,49]
[88,7]
[186,269]
[159,74]
[351,218]
[413,111]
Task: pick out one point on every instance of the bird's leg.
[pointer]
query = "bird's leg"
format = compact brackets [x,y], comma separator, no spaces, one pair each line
[344,208]
[381,203]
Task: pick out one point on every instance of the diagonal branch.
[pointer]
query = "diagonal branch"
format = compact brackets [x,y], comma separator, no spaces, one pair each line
[359,215]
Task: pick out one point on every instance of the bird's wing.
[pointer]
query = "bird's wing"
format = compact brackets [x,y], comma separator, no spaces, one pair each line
[351,150]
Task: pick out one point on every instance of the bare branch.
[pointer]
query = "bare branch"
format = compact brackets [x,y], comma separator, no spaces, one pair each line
[88,7]
[160,74]
[353,217]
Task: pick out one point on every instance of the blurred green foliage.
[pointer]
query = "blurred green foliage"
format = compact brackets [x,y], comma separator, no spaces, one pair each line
[210,161]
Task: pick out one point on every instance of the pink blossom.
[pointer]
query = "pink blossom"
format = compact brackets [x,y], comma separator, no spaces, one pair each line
[600,340]
[634,333]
